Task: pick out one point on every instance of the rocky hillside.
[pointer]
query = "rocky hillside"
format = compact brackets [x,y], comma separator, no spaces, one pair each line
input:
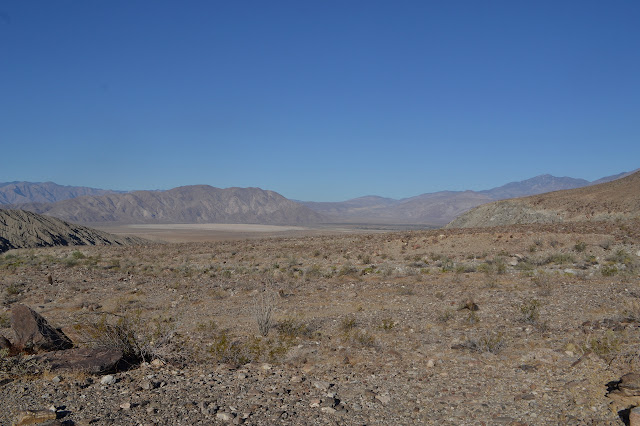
[186,204]
[22,229]
[607,201]
[43,192]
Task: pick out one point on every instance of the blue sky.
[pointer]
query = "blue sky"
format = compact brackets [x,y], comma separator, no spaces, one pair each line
[320,100]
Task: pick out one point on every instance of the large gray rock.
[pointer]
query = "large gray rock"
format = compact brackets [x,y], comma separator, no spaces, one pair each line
[88,360]
[33,332]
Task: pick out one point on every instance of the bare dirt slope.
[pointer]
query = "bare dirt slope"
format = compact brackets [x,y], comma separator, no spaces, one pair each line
[22,229]
[186,204]
[607,201]
[518,325]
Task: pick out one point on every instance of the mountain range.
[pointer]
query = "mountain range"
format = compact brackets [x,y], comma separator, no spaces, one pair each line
[186,204]
[207,204]
[439,208]
[613,200]
[43,192]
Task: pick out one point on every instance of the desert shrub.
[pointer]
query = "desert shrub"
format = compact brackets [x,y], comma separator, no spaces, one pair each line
[608,270]
[485,268]
[77,254]
[473,317]
[607,345]
[224,349]
[447,265]
[559,259]
[360,338]
[5,322]
[313,272]
[364,259]
[14,289]
[530,311]
[486,343]
[525,266]
[387,324]
[500,266]
[347,324]
[580,246]
[445,316]
[293,328]
[263,308]
[543,281]
[347,269]
[17,365]
[138,339]
[620,256]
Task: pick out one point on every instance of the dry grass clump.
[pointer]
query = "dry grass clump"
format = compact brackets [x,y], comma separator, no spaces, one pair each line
[263,309]
[138,339]
[486,343]
[17,365]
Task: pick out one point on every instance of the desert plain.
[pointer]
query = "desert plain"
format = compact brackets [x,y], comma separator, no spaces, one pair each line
[514,325]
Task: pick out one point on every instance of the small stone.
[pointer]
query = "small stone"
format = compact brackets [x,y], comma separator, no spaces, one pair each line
[29,417]
[56,379]
[431,363]
[225,417]
[384,399]
[321,385]
[296,379]
[328,410]
[314,403]
[125,405]
[157,363]
[266,367]
[109,379]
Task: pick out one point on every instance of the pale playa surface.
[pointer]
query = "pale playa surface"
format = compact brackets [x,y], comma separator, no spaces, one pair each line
[220,231]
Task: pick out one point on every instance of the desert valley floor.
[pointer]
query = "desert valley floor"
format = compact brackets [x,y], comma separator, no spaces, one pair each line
[518,325]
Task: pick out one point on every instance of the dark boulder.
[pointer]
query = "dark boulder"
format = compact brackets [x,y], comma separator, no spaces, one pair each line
[33,332]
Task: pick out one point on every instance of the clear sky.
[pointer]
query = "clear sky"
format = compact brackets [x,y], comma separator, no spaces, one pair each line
[318,100]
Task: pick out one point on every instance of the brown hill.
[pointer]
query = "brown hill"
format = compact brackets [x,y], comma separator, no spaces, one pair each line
[22,229]
[186,204]
[607,201]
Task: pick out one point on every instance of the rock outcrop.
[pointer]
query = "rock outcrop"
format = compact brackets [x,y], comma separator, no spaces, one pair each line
[23,229]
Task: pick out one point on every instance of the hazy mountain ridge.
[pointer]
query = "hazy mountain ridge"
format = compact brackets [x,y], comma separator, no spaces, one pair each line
[186,204]
[15,193]
[439,208]
[206,204]
[23,229]
[612,200]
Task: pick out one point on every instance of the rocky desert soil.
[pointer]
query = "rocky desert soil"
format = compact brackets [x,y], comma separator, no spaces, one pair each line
[518,325]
